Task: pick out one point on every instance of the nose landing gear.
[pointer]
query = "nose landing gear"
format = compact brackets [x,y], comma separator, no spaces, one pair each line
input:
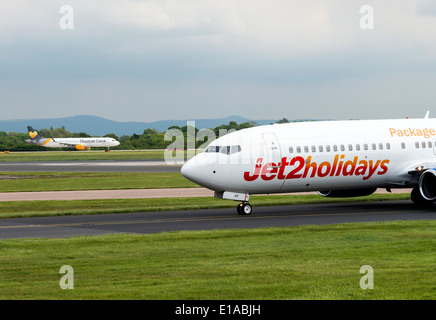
[244,209]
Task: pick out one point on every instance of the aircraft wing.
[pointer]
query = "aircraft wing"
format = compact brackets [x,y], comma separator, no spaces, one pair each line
[72,145]
[69,145]
[411,173]
[64,144]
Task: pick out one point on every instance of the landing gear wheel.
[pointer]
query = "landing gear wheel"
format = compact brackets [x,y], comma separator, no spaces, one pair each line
[244,209]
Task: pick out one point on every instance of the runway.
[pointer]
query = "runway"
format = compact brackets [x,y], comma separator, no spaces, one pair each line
[90,166]
[155,222]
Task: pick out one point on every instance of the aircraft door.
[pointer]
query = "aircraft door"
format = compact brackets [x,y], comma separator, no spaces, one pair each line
[272,149]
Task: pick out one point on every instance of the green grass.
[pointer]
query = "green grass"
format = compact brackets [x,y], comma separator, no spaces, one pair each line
[15,209]
[308,262]
[63,181]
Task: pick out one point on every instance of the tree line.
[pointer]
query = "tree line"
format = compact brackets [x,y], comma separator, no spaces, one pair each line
[149,139]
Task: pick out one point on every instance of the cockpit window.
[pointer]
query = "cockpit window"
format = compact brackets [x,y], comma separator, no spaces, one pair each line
[224,149]
[213,149]
[235,149]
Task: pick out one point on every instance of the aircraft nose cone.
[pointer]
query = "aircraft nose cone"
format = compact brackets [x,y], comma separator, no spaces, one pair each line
[188,170]
[199,171]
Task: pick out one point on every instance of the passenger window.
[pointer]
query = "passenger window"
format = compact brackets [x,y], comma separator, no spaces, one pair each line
[417,144]
[291,150]
[429,144]
[342,147]
[313,149]
[327,148]
[350,147]
[320,148]
[365,146]
[423,144]
[388,145]
[374,147]
[306,149]
[380,146]
[403,145]
[358,147]
[335,148]
[298,149]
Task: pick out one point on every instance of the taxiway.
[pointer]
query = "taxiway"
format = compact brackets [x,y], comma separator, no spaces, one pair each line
[155,222]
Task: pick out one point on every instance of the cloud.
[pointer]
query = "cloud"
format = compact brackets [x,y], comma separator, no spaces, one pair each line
[228,55]
[279,24]
[426,8]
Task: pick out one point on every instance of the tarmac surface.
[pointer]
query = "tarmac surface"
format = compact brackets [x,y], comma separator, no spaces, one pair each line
[106,194]
[208,219]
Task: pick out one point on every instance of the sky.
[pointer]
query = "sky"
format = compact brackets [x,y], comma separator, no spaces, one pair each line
[130,60]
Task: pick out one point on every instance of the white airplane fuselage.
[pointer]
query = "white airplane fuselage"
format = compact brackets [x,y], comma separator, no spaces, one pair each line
[83,142]
[318,156]
[72,143]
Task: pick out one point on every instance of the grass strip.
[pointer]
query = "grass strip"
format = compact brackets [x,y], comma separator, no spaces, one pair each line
[308,262]
[70,181]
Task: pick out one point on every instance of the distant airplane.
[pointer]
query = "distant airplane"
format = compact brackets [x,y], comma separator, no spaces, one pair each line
[72,143]
[336,158]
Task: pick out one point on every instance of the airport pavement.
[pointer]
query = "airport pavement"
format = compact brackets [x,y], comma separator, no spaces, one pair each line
[106,194]
[128,194]
[207,219]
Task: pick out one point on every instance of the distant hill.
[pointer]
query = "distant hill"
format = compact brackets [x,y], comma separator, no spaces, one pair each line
[97,126]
